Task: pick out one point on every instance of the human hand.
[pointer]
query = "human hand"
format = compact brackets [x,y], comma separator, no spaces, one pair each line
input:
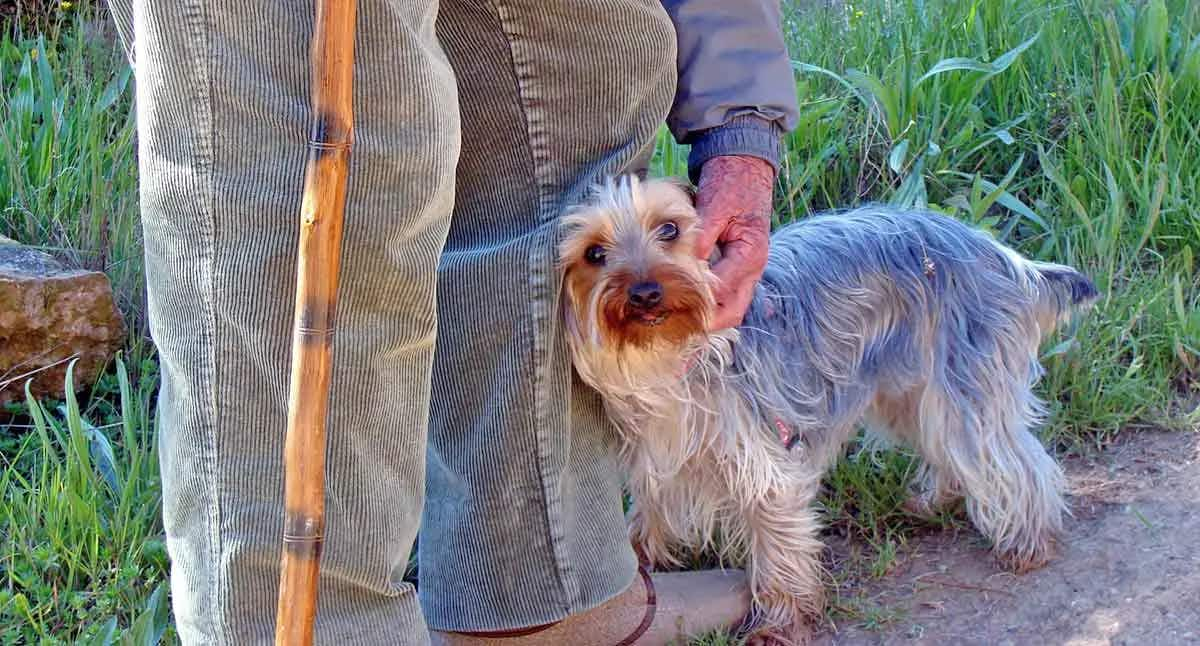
[734,203]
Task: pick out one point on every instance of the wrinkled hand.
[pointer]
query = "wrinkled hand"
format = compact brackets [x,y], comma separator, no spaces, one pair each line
[734,203]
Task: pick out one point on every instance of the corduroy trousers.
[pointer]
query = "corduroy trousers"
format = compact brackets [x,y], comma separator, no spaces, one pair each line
[454,407]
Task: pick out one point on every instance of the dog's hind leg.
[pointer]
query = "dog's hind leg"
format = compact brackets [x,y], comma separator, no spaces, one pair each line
[897,418]
[1014,488]
[933,492]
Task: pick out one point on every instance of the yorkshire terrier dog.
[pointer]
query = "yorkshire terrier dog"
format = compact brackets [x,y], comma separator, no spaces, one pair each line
[908,322]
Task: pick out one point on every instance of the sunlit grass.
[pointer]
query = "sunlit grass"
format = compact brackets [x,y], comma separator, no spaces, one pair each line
[1068,128]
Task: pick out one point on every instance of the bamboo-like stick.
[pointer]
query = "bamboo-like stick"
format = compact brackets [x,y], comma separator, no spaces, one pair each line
[321,212]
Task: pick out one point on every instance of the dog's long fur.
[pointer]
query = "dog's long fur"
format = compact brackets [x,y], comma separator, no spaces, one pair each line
[911,322]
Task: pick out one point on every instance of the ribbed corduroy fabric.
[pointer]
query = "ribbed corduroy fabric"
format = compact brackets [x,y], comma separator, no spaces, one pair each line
[223,119]
[523,518]
[523,522]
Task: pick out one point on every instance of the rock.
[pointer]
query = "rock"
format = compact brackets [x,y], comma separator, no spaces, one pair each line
[50,314]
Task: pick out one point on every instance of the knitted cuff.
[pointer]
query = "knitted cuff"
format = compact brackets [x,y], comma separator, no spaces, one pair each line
[743,135]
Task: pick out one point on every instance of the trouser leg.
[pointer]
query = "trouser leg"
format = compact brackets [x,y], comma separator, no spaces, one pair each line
[523,522]
[223,117]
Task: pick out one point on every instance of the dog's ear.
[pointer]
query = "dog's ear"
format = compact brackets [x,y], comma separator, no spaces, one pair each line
[678,182]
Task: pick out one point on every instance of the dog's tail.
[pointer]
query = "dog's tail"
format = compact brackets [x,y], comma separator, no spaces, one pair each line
[1061,291]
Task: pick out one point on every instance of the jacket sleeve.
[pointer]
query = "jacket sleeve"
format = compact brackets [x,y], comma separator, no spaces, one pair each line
[736,92]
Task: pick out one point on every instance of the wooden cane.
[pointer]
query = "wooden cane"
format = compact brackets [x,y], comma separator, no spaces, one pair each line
[321,211]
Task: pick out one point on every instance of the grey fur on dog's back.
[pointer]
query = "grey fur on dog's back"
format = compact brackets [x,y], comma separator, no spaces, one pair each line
[861,297]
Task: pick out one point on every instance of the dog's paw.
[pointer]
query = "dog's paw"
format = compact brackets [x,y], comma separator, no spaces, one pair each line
[798,634]
[1027,561]
[928,505]
[1023,564]
[782,620]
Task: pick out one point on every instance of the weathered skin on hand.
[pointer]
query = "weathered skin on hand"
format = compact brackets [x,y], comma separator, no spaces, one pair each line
[734,202]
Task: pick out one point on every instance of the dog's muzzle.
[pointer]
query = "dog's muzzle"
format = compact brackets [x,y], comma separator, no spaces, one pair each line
[645,300]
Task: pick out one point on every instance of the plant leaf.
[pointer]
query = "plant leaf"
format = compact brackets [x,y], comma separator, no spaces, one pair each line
[1059,349]
[107,633]
[1073,202]
[952,64]
[1006,59]
[1009,201]
[816,69]
[21,100]
[1150,35]
[114,89]
[151,623]
[896,159]
[878,97]
[993,68]
[102,455]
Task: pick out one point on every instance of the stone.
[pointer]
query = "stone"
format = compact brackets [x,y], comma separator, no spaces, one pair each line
[50,315]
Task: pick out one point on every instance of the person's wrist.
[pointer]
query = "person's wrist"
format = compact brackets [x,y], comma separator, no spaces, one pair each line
[747,135]
[753,176]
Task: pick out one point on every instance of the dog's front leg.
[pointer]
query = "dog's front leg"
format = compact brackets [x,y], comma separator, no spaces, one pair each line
[649,531]
[785,569]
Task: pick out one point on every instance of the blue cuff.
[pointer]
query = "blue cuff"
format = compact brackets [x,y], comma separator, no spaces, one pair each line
[742,135]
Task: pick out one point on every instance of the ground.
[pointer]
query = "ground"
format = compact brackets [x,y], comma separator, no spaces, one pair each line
[1128,572]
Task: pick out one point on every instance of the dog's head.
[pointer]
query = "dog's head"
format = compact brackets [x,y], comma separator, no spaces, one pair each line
[631,276]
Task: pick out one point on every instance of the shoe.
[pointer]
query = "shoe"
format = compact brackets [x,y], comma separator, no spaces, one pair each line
[656,610]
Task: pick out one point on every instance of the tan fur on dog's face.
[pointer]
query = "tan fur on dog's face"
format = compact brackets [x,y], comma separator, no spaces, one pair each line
[631,245]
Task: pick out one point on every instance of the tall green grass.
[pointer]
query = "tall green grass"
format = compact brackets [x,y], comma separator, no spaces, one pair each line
[81,554]
[68,177]
[1069,128]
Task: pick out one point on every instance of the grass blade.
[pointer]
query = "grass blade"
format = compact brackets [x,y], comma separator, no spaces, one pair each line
[898,156]
[954,64]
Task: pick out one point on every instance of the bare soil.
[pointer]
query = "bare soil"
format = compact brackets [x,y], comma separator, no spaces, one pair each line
[1128,571]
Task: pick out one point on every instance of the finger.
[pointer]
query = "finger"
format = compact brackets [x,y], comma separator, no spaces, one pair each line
[742,261]
[737,275]
[742,266]
[712,224]
[732,311]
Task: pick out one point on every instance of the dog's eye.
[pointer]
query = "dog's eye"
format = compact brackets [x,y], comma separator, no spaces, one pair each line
[668,231]
[595,255]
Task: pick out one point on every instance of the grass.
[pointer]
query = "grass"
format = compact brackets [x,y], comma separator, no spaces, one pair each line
[82,557]
[1067,127]
[82,553]
[68,181]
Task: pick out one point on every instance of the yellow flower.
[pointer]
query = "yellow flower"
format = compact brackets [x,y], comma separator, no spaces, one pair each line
[33,54]
[66,5]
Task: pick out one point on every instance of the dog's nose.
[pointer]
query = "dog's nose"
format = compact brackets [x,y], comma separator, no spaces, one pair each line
[645,295]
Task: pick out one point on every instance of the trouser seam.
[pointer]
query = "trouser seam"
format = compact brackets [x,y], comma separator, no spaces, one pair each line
[203,60]
[538,297]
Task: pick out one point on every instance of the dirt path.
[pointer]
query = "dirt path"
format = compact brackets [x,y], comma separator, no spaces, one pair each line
[1128,574]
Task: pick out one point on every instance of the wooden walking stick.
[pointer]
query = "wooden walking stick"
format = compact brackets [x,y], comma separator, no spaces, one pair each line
[312,334]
